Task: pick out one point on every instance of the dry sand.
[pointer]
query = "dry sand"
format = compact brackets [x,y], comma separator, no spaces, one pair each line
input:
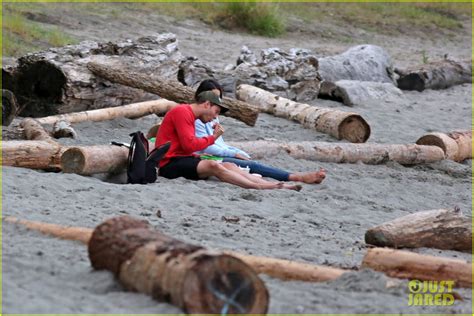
[322,224]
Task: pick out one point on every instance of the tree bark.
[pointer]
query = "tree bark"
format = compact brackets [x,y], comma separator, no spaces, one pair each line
[34,131]
[57,80]
[88,160]
[436,75]
[9,107]
[456,145]
[134,110]
[408,265]
[32,154]
[339,124]
[362,63]
[344,152]
[441,229]
[171,89]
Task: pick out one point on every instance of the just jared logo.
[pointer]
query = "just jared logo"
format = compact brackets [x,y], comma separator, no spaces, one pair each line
[426,293]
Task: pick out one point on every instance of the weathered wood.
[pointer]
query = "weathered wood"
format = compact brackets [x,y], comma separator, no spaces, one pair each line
[57,80]
[342,125]
[456,145]
[170,89]
[441,229]
[62,129]
[134,110]
[9,107]
[408,265]
[34,131]
[362,63]
[32,154]
[88,160]
[435,75]
[277,268]
[352,92]
[344,152]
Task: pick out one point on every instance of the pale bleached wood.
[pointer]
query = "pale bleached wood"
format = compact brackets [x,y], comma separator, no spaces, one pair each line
[456,145]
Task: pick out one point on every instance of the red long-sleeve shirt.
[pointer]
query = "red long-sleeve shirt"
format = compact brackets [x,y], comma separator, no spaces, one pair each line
[178,127]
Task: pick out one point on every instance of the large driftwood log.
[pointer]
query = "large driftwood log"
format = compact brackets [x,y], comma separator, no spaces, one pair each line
[90,160]
[344,152]
[171,89]
[340,124]
[57,80]
[352,92]
[277,268]
[134,110]
[9,107]
[408,265]
[441,229]
[34,131]
[32,154]
[362,63]
[435,75]
[456,145]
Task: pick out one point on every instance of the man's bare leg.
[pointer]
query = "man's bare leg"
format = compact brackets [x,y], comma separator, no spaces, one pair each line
[308,177]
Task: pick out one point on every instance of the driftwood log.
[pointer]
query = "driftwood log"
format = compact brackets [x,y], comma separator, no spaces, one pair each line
[170,89]
[408,265]
[134,110]
[456,145]
[342,125]
[344,152]
[34,131]
[277,268]
[9,107]
[361,63]
[441,229]
[88,160]
[435,75]
[352,92]
[57,80]
[40,154]
[62,129]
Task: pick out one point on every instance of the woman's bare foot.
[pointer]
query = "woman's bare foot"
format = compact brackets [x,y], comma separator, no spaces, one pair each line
[309,177]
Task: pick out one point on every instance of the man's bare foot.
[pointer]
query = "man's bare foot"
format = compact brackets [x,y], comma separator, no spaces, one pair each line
[309,177]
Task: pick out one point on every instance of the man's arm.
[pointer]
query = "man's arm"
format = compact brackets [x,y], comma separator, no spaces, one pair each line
[184,124]
[220,148]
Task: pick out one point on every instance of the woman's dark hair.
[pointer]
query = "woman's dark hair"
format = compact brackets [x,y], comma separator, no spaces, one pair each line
[208,85]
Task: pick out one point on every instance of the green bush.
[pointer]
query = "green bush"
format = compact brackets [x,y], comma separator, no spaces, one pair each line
[258,18]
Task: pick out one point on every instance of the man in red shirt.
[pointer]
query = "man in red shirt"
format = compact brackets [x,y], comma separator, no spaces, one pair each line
[178,128]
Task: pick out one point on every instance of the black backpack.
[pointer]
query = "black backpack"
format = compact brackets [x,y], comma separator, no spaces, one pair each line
[142,164]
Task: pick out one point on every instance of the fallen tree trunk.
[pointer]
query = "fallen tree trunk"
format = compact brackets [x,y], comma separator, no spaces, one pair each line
[352,92]
[171,89]
[88,160]
[34,131]
[9,107]
[57,80]
[277,268]
[134,110]
[31,154]
[441,229]
[435,75]
[342,125]
[408,265]
[344,152]
[456,145]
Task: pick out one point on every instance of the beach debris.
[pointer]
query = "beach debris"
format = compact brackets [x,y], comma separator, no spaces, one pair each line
[44,155]
[441,229]
[158,214]
[9,107]
[339,124]
[353,92]
[409,154]
[63,129]
[57,80]
[88,160]
[456,145]
[33,130]
[440,74]
[131,111]
[409,265]
[169,89]
[231,219]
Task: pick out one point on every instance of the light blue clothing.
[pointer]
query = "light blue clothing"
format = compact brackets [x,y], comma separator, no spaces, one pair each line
[221,149]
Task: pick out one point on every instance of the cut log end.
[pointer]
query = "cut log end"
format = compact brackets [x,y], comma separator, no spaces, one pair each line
[223,284]
[73,161]
[355,129]
[411,82]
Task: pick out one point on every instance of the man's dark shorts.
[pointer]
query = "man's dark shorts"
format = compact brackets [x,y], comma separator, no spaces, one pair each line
[181,167]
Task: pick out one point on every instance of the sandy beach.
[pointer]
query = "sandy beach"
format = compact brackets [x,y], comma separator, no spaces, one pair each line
[322,224]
